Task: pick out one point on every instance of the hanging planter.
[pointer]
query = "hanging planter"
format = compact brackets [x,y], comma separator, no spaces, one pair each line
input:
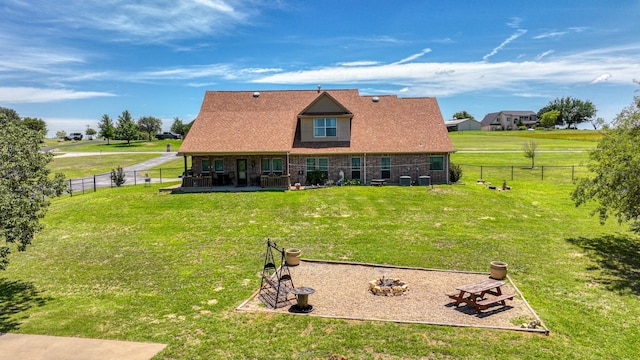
[498,270]
[292,257]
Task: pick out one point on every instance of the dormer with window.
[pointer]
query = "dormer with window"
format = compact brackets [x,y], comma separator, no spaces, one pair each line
[324,120]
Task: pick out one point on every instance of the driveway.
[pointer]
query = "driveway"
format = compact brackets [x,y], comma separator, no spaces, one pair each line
[104,180]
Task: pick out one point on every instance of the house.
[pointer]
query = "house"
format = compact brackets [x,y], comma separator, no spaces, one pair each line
[462,125]
[509,120]
[277,138]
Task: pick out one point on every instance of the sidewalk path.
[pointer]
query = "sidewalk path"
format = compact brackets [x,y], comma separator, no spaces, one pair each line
[33,347]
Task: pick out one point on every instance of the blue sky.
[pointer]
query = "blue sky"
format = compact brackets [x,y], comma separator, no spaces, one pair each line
[70,62]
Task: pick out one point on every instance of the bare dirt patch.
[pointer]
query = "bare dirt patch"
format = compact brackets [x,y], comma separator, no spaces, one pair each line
[342,291]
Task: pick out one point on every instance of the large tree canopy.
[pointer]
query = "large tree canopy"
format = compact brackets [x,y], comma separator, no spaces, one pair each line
[107,129]
[615,163]
[572,111]
[25,184]
[126,128]
[463,115]
[178,126]
[149,125]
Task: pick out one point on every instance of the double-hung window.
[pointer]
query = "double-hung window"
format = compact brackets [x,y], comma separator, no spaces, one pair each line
[325,127]
[321,164]
[355,168]
[436,163]
[272,166]
[205,166]
[385,167]
[218,166]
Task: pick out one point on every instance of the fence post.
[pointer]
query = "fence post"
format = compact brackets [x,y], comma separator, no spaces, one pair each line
[134,178]
[481,172]
[160,175]
[94,183]
[572,172]
[511,172]
[542,167]
[70,188]
[82,182]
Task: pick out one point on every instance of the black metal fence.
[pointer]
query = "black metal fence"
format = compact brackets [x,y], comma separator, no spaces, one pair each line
[133,177]
[560,174]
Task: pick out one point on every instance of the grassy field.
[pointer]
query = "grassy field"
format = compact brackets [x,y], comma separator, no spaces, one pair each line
[79,166]
[513,140]
[135,264]
[113,146]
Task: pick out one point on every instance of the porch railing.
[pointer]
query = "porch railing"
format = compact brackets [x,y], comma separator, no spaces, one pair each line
[197,181]
[278,181]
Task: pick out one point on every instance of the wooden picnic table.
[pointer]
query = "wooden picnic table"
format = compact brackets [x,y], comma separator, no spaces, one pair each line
[378,182]
[475,294]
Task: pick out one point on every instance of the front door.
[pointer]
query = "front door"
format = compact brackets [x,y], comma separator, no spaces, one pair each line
[241,165]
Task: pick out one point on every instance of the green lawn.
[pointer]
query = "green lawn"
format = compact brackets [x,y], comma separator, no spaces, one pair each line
[135,264]
[513,140]
[79,166]
[114,145]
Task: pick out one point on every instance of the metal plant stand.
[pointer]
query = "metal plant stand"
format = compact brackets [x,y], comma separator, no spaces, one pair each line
[276,281]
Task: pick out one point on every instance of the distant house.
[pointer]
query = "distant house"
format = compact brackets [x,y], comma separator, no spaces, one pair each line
[462,125]
[277,138]
[509,120]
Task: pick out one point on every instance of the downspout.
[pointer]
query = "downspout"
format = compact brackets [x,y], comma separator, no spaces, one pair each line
[288,172]
[365,169]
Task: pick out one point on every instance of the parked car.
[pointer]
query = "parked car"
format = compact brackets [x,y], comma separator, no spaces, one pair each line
[167,135]
[188,174]
[73,136]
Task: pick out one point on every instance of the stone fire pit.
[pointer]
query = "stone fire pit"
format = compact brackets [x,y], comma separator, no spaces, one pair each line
[388,287]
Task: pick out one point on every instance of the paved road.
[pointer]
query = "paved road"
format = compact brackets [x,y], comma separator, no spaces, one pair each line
[104,180]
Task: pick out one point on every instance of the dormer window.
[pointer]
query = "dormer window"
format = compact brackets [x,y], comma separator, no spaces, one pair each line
[324,127]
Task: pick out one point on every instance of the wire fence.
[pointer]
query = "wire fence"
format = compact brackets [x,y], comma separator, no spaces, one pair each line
[92,183]
[488,173]
[560,174]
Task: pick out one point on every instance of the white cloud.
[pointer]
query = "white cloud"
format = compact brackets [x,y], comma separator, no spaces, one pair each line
[466,77]
[515,22]
[541,55]
[14,95]
[414,56]
[359,63]
[147,21]
[517,34]
[601,78]
[551,34]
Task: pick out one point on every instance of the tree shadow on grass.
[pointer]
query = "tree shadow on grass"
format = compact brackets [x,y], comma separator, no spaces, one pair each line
[15,297]
[619,259]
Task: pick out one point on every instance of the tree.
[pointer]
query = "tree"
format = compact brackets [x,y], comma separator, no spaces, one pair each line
[599,122]
[149,125]
[529,149]
[25,184]
[37,125]
[60,134]
[572,111]
[178,126]
[615,163]
[90,131]
[126,128]
[549,118]
[118,176]
[107,130]
[463,115]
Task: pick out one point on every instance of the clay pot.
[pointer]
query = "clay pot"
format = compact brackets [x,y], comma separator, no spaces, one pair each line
[498,270]
[292,257]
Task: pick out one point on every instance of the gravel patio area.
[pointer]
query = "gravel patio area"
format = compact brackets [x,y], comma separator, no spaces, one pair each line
[342,291]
